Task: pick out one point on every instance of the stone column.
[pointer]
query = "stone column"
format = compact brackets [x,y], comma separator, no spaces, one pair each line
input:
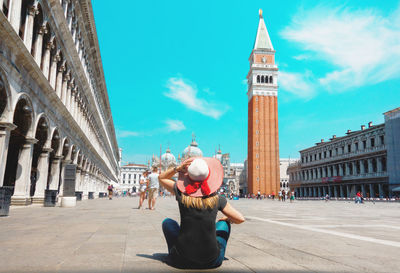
[341,170]
[363,190]
[41,183]
[72,102]
[68,97]
[380,190]
[347,165]
[314,191]
[69,20]
[341,191]
[63,95]
[379,165]
[65,8]
[78,179]
[371,191]
[21,194]
[354,168]
[335,171]
[335,191]
[28,34]
[55,173]
[60,82]
[14,14]
[319,191]
[362,168]
[46,60]
[348,191]
[53,71]
[37,47]
[74,36]
[329,172]
[329,191]
[370,169]
[63,164]
[84,186]
[5,129]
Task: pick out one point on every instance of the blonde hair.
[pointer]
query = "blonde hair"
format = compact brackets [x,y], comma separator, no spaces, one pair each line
[200,202]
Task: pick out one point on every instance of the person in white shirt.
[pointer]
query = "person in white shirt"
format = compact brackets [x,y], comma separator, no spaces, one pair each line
[153,186]
[142,188]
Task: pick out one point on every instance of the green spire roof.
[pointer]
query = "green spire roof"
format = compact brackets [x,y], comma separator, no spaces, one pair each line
[262,40]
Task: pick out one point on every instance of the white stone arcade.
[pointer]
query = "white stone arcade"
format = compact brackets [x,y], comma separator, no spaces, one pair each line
[54,107]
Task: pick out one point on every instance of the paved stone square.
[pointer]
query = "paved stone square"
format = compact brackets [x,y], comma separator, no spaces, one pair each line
[113,236]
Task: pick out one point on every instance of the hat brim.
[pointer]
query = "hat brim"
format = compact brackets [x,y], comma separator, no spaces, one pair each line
[214,181]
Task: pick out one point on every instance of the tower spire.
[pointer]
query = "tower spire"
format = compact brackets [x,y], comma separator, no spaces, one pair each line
[262,39]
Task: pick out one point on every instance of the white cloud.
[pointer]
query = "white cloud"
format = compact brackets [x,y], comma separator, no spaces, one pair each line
[175,125]
[127,133]
[187,94]
[298,84]
[362,45]
[301,57]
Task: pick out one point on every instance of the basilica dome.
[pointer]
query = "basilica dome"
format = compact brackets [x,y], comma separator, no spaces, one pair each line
[192,150]
[168,159]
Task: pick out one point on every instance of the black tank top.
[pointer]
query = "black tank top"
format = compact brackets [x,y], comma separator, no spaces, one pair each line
[197,243]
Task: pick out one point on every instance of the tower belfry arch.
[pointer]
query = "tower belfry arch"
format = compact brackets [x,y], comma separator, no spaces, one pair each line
[263,137]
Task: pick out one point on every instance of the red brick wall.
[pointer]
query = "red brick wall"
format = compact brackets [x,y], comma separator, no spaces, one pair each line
[266,133]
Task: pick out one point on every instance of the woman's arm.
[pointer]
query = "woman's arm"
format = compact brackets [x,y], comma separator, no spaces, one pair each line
[232,214]
[165,177]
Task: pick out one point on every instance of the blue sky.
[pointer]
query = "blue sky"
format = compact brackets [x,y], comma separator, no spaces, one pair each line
[177,67]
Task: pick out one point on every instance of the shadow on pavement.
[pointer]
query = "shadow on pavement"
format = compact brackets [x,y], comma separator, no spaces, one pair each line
[162,257]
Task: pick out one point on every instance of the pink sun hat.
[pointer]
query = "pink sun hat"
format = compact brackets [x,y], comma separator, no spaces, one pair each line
[203,177]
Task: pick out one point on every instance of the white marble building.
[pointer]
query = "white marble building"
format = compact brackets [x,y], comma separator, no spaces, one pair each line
[54,107]
[233,177]
[130,176]
[284,176]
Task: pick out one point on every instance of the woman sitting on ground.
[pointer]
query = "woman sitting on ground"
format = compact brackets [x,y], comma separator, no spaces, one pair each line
[199,242]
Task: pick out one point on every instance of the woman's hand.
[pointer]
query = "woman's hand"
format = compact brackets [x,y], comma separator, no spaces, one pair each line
[184,165]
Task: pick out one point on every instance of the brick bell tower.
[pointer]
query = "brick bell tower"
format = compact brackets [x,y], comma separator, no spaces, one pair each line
[263,137]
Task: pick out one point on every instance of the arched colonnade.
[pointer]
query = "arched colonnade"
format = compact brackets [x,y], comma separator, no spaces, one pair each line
[34,152]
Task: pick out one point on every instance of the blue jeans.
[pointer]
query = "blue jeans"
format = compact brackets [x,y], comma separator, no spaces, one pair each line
[223,229]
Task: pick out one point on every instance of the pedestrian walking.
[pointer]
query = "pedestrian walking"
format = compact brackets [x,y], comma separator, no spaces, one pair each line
[110,189]
[280,195]
[153,186]
[142,188]
[292,197]
[358,197]
[283,196]
[258,195]
[199,242]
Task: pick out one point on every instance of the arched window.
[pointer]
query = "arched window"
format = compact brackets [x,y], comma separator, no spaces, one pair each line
[258,79]
[266,79]
[271,79]
[262,79]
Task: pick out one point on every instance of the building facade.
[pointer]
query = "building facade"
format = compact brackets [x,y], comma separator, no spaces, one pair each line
[232,174]
[54,107]
[284,176]
[263,138]
[358,161]
[392,130]
[130,177]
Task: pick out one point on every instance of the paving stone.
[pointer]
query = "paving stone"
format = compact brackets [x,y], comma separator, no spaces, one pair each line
[111,236]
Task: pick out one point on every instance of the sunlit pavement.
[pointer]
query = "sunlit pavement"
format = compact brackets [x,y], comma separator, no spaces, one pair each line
[114,236]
